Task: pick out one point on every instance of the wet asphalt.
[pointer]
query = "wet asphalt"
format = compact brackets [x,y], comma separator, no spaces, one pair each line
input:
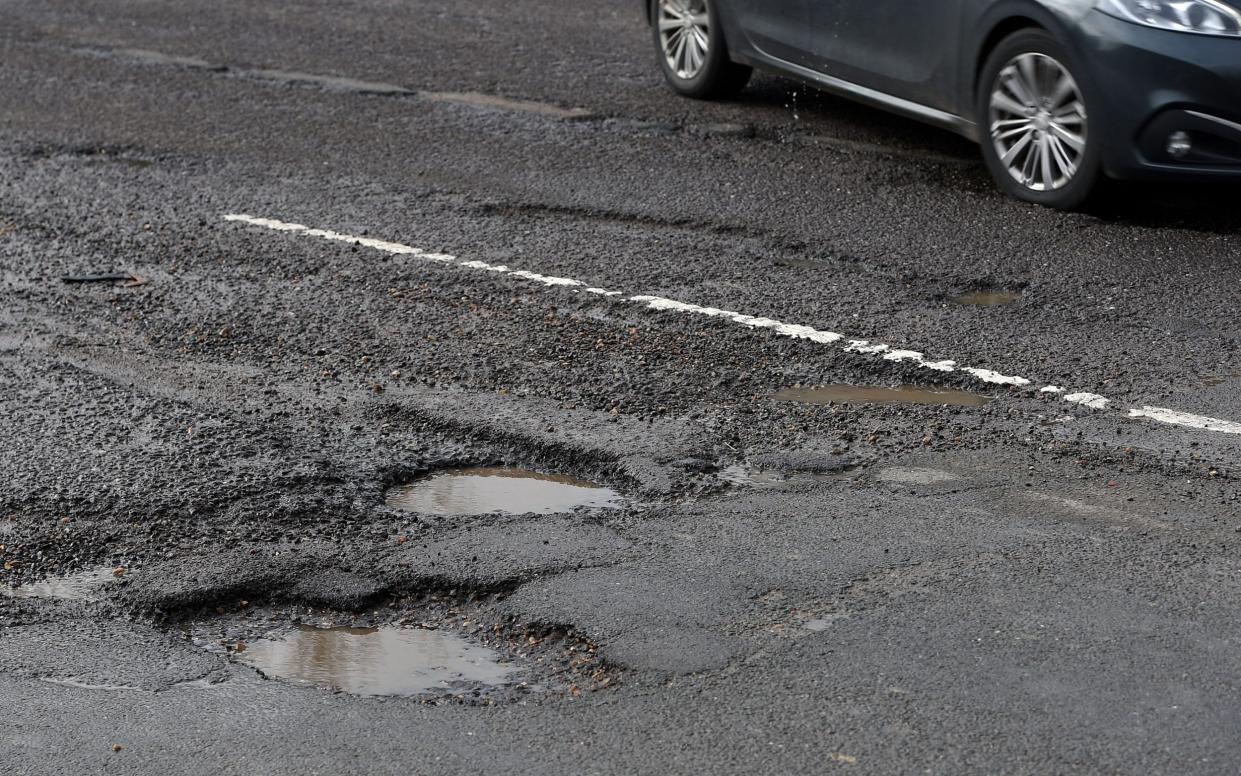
[1024,586]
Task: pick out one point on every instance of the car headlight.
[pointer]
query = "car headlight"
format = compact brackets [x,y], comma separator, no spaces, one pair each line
[1205,17]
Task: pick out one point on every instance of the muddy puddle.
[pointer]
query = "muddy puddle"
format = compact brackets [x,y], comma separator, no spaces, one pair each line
[484,490]
[376,661]
[986,298]
[83,586]
[865,394]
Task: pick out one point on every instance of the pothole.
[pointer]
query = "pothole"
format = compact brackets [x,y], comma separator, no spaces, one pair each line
[1211,381]
[769,479]
[478,100]
[865,394]
[82,586]
[915,475]
[125,161]
[485,490]
[796,263]
[986,298]
[377,661]
[436,648]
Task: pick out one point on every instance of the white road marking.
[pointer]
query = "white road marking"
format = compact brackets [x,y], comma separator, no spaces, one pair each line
[987,376]
[793,330]
[1092,400]
[1185,419]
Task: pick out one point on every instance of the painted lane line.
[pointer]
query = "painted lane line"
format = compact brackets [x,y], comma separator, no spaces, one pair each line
[987,376]
[1185,419]
[796,331]
[1092,400]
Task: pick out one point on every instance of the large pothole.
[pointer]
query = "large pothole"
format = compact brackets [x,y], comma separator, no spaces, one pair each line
[487,490]
[377,661]
[89,585]
[433,648]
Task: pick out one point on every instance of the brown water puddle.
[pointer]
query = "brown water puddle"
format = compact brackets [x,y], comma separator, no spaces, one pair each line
[376,661]
[82,586]
[866,394]
[483,490]
[986,298]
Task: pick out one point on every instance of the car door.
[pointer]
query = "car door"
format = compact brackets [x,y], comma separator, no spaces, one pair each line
[778,28]
[905,48]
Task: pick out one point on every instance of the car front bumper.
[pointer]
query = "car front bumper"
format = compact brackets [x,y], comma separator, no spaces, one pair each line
[1152,84]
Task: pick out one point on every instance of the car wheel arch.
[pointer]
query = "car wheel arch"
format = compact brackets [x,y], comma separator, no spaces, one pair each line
[1000,21]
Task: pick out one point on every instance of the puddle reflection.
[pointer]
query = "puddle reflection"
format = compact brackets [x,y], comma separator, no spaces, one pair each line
[482,490]
[376,661]
[82,586]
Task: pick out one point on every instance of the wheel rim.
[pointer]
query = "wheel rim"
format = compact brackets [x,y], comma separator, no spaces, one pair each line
[684,34]
[1038,122]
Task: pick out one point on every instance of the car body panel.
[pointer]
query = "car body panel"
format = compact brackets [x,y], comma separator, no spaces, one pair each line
[903,49]
[923,60]
[776,28]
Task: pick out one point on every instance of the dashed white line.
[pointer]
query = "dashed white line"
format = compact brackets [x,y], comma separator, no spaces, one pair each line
[793,330]
[1185,419]
[1092,400]
[988,376]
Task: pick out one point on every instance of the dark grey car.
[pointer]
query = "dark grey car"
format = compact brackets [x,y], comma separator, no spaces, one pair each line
[1058,92]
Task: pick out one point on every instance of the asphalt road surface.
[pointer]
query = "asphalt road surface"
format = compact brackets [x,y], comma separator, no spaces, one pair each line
[517,248]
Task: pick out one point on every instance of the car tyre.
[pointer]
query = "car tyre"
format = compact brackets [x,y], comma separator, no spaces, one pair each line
[1038,122]
[692,52]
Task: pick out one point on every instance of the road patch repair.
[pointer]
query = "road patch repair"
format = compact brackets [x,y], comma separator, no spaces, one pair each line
[882,351]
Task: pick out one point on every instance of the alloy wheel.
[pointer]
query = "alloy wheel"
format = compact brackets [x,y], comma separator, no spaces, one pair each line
[684,33]
[1038,122]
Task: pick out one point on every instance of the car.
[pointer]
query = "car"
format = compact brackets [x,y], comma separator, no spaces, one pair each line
[1060,94]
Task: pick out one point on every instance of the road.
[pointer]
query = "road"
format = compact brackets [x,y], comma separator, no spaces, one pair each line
[380,239]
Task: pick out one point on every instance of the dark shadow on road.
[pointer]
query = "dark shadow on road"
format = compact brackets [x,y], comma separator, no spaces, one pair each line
[1203,207]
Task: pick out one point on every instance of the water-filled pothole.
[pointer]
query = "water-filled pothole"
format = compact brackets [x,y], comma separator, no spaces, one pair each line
[83,586]
[866,394]
[377,661]
[483,490]
[986,298]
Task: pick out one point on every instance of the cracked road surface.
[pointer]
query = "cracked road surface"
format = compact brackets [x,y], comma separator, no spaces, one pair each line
[360,242]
